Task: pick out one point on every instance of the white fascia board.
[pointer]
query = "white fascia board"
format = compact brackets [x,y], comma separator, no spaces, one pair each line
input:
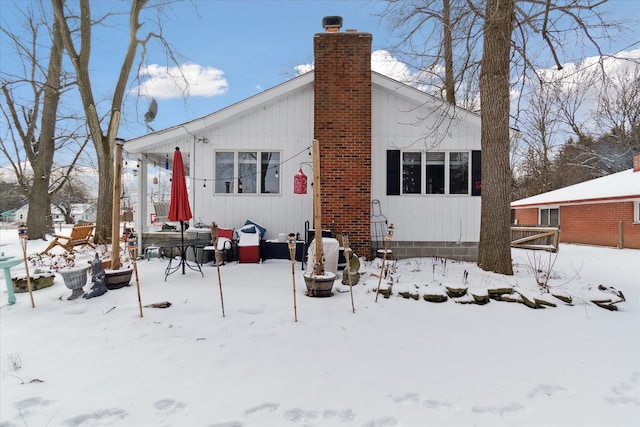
[196,126]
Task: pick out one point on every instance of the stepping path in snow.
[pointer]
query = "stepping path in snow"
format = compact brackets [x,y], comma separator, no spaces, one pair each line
[265,407]
[413,399]
[546,390]
[97,417]
[626,392]
[510,409]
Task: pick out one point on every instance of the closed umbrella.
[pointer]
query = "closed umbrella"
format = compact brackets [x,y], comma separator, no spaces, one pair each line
[179,209]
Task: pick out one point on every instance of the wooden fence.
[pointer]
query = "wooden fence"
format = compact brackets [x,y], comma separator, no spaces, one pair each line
[535,237]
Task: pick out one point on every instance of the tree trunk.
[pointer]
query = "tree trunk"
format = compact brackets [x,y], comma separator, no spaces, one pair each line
[105,192]
[495,247]
[39,216]
[104,143]
[449,81]
[39,219]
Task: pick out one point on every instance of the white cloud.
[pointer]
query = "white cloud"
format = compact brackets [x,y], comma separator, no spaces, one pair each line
[381,62]
[575,73]
[384,63]
[585,78]
[187,79]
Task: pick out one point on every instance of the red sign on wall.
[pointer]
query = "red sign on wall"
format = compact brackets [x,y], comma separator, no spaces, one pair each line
[300,183]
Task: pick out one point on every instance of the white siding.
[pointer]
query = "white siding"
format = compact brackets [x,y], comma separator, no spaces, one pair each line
[399,124]
[281,119]
[284,125]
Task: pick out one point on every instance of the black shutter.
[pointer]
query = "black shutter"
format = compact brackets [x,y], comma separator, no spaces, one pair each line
[393,172]
[476,172]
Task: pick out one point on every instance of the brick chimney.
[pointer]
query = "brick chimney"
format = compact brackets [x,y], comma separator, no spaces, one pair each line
[342,125]
[636,163]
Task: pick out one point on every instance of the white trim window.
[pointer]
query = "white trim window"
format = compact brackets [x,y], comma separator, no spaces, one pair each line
[636,212]
[247,172]
[436,172]
[549,217]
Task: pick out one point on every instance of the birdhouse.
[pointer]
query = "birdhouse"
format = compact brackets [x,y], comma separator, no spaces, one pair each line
[300,183]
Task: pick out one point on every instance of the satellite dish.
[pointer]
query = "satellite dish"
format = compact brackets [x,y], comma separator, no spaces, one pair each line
[151,113]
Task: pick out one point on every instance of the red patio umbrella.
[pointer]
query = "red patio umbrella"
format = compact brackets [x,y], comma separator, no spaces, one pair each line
[179,209]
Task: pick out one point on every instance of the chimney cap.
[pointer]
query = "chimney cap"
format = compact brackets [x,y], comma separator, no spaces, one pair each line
[332,23]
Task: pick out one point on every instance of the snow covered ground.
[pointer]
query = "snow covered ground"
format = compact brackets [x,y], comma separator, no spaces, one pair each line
[394,362]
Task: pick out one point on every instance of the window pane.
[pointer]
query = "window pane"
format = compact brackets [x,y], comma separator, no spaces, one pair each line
[224,173]
[435,173]
[247,171]
[550,217]
[269,173]
[459,173]
[411,173]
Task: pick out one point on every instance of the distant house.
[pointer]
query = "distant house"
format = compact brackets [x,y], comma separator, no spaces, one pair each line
[79,212]
[386,150]
[603,211]
[20,214]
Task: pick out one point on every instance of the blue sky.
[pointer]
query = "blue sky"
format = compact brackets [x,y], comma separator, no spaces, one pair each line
[232,50]
[236,49]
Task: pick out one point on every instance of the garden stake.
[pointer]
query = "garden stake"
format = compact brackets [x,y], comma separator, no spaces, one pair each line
[347,256]
[133,253]
[292,253]
[23,233]
[387,239]
[214,235]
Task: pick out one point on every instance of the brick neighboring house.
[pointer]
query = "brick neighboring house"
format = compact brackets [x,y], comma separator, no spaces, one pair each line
[603,211]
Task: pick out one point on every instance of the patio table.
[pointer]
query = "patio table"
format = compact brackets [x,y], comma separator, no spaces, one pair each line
[183,249]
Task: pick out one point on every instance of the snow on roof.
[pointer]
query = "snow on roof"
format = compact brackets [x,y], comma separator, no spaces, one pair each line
[621,185]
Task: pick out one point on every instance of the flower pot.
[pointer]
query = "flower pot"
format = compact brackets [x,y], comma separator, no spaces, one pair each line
[74,279]
[319,285]
[116,279]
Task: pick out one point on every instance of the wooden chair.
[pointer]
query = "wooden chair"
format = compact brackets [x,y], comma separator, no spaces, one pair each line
[80,235]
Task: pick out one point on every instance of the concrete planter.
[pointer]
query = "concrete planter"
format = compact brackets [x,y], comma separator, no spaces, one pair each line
[116,279]
[75,279]
[319,285]
[38,281]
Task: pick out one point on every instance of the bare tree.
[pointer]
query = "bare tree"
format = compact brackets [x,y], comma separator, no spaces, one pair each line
[451,31]
[540,122]
[29,106]
[494,252]
[609,144]
[507,29]
[73,192]
[76,28]
[571,96]
[12,196]
[619,104]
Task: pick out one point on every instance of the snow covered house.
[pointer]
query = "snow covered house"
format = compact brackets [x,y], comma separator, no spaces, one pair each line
[603,211]
[387,151]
